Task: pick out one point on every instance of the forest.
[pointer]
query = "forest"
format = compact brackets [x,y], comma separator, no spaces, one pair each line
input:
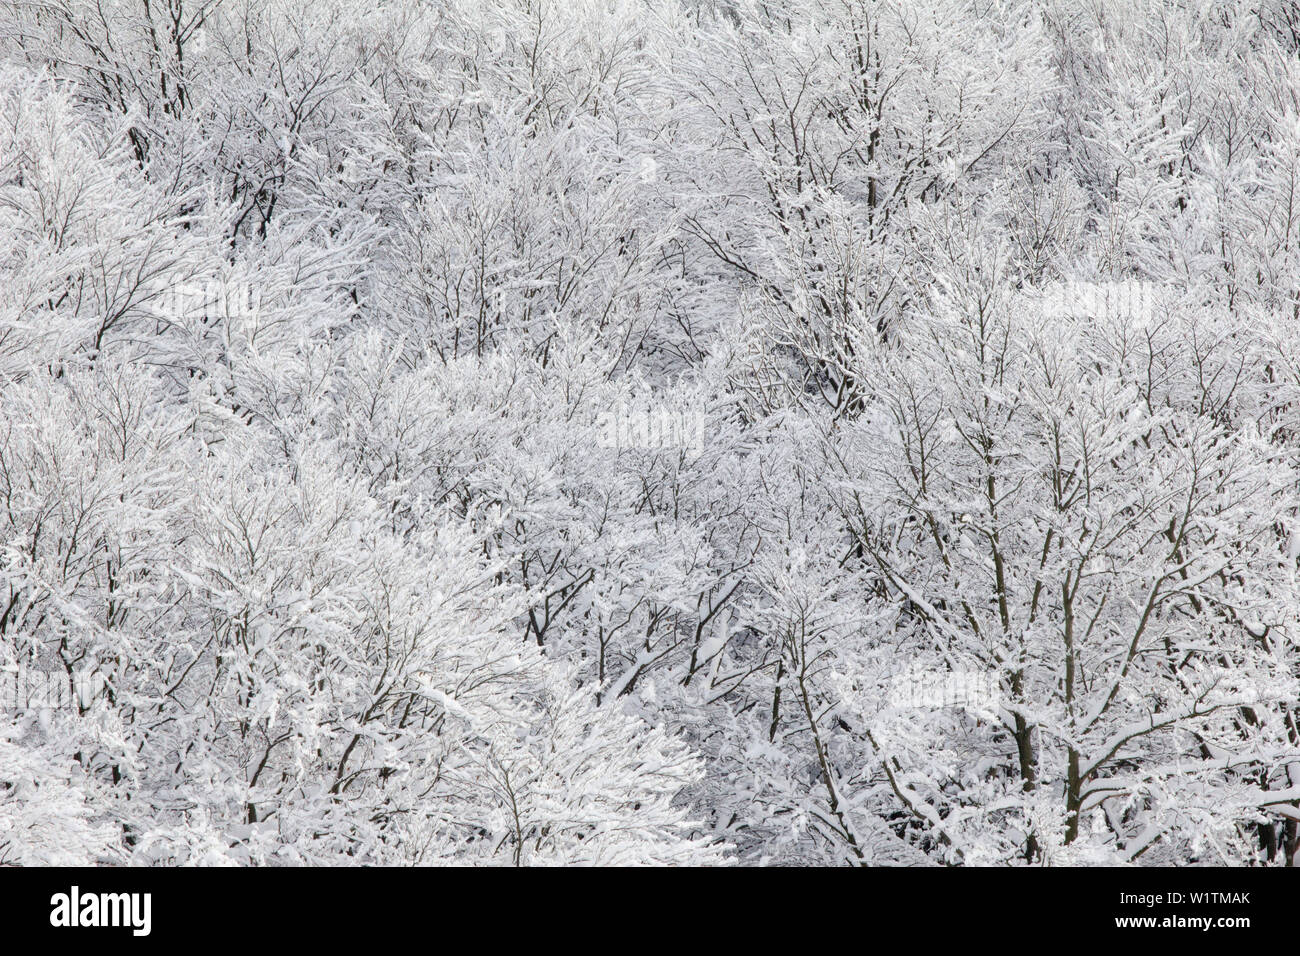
[650,432]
